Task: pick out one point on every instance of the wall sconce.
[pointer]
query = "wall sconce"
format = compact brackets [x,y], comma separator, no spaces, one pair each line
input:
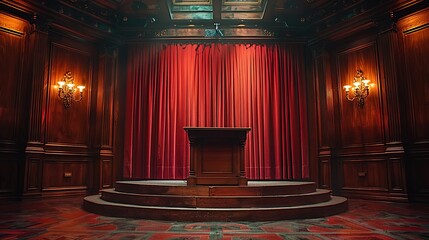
[66,90]
[360,88]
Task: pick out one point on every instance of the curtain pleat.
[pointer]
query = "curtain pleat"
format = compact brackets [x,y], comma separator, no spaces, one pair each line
[171,86]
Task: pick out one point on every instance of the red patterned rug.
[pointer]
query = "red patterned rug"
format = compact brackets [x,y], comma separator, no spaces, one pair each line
[63,218]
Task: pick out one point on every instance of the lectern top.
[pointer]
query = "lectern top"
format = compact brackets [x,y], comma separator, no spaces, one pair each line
[217,128]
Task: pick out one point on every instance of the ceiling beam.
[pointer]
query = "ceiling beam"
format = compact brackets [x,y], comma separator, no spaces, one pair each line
[217,10]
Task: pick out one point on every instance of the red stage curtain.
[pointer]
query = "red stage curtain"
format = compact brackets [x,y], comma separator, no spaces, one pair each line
[170,86]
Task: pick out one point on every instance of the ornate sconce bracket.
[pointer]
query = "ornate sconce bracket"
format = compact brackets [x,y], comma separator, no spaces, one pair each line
[359,90]
[67,90]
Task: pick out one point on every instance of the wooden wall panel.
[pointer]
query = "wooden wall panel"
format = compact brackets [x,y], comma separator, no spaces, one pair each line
[13,94]
[414,39]
[11,46]
[325,117]
[360,149]
[397,172]
[63,175]
[8,173]
[105,116]
[72,125]
[32,178]
[369,166]
[324,128]
[44,147]
[324,172]
[12,42]
[359,125]
[365,174]
[416,47]
[420,175]
[69,131]
[107,175]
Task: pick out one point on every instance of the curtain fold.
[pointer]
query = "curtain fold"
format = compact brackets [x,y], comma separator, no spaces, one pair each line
[261,86]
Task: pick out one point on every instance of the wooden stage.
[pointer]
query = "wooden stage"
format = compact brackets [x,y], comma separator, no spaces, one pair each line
[174,200]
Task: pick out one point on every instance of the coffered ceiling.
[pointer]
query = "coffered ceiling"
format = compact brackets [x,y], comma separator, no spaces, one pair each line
[292,13]
[187,10]
[205,18]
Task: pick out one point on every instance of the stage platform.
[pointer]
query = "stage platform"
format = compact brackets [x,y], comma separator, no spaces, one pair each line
[173,200]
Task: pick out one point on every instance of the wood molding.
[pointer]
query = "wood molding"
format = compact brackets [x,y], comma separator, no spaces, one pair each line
[359,125]
[70,126]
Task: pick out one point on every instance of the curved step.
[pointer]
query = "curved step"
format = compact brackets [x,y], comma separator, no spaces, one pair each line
[284,200]
[179,187]
[97,205]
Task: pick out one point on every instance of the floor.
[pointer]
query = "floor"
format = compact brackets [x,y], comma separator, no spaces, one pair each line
[63,218]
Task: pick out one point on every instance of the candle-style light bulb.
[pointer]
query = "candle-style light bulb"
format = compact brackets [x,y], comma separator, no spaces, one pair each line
[366,81]
[61,84]
[347,87]
[357,84]
[70,85]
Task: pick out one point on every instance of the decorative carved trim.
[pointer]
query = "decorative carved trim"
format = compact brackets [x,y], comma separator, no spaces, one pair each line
[202,33]
[416,29]
[387,25]
[339,11]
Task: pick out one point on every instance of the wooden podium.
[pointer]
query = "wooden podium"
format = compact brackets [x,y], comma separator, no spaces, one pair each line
[217,156]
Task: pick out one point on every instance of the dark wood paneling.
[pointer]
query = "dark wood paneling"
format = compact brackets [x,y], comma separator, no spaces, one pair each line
[37,134]
[10,52]
[389,75]
[416,46]
[107,176]
[36,69]
[369,166]
[70,126]
[8,173]
[69,131]
[414,38]
[420,175]
[365,174]
[56,133]
[33,174]
[324,172]
[59,175]
[391,130]
[12,42]
[397,174]
[359,125]
[13,94]
[107,73]
[325,117]
[103,167]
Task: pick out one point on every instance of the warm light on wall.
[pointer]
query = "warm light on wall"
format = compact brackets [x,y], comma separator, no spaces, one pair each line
[67,89]
[360,88]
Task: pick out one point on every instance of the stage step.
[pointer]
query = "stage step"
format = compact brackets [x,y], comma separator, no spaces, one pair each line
[174,200]
[111,195]
[179,187]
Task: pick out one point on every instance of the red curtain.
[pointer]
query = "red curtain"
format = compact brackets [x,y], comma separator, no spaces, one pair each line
[261,86]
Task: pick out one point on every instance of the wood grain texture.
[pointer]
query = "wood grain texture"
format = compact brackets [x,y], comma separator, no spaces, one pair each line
[359,125]
[324,173]
[13,95]
[8,174]
[416,53]
[414,36]
[368,174]
[11,55]
[324,115]
[69,126]
[64,174]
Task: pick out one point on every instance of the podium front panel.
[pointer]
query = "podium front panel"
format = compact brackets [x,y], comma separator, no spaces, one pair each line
[217,156]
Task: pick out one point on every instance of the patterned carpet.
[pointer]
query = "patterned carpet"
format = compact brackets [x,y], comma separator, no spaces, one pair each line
[62,218]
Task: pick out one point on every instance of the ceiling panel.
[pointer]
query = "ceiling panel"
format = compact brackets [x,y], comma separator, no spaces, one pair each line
[186,10]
